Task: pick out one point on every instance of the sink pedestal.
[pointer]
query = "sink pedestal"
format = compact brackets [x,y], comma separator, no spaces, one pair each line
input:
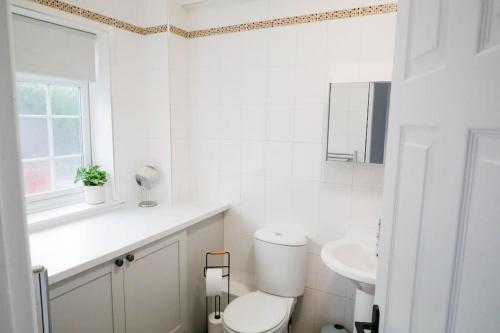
[354,258]
[363,306]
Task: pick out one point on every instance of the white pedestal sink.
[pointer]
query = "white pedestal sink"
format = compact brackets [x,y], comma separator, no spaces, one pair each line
[354,259]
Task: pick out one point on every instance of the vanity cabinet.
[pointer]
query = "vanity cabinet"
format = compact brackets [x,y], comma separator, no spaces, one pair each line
[142,291]
[89,302]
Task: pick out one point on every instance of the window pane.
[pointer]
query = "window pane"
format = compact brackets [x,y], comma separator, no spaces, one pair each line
[31,98]
[66,136]
[65,170]
[36,176]
[34,137]
[65,100]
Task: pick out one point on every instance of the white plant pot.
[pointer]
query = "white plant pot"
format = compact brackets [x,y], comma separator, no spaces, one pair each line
[94,195]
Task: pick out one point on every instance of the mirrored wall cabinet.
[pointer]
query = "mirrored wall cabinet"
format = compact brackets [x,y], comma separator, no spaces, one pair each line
[357,121]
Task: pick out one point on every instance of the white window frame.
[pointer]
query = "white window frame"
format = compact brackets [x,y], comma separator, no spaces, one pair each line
[46,200]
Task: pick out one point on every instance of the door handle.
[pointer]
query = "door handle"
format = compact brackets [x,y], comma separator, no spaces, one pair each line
[119,262]
[373,326]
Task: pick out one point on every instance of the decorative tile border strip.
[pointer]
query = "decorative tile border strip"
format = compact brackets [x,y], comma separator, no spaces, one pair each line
[96,17]
[179,31]
[327,16]
[280,22]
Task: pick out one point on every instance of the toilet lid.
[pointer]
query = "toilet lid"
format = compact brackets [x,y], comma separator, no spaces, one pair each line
[255,313]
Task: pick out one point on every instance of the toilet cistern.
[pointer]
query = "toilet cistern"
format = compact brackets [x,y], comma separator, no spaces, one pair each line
[280,265]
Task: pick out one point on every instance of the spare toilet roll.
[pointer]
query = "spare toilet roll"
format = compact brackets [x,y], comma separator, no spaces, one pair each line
[213,281]
[215,325]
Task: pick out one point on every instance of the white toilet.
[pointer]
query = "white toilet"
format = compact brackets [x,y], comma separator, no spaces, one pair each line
[280,262]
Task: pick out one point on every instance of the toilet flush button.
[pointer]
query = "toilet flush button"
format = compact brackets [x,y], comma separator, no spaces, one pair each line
[278,234]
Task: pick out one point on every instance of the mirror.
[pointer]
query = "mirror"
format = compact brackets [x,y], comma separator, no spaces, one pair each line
[357,121]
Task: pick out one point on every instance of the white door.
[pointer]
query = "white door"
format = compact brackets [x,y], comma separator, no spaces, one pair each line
[439,269]
[17,308]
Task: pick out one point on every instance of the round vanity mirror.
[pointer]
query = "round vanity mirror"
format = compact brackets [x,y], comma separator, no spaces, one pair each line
[147,178]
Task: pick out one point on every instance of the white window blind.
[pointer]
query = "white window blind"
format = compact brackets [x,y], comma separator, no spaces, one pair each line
[49,49]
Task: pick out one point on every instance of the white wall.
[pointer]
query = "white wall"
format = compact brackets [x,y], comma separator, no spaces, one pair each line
[179,109]
[257,116]
[139,93]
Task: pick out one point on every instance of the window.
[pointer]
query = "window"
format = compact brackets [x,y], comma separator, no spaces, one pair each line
[55,137]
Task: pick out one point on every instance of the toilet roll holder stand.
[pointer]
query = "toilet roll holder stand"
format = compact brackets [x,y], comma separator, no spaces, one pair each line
[228,275]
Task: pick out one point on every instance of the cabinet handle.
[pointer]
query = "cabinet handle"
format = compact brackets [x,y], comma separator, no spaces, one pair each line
[119,262]
[130,257]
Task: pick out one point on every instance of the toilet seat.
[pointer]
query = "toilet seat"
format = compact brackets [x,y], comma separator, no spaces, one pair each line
[257,312]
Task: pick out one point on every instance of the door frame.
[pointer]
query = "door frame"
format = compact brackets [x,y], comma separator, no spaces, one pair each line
[17,308]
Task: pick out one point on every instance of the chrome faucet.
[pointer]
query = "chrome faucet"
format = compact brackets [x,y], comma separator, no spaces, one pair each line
[378,235]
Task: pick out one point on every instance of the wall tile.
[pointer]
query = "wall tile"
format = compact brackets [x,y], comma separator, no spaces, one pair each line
[99,6]
[127,85]
[280,122]
[205,88]
[206,124]
[373,47]
[330,229]
[312,271]
[344,39]
[241,249]
[337,172]
[205,153]
[309,122]
[155,12]
[229,156]
[330,282]
[349,314]
[305,202]
[126,10]
[279,201]
[306,161]
[282,46]
[279,159]
[329,309]
[233,85]
[370,175]
[366,206]
[335,201]
[228,117]
[253,157]
[281,86]
[312,45]
[311,85]
[229,189]
[304,311]
[283,8]
[253,122]
[253,199]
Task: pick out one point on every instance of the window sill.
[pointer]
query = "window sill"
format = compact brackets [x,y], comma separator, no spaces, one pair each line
[57,216]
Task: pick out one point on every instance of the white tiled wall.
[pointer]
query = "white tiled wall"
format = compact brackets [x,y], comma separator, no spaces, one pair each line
[139,93]
[180,113]
[255,107]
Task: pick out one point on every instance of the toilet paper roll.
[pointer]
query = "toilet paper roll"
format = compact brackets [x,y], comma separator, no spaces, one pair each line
[215,325]
[213,281]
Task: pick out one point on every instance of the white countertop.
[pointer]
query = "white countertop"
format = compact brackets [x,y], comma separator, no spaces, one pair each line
[74,247]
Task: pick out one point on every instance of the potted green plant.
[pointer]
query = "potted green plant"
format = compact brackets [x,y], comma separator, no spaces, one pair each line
[93,179]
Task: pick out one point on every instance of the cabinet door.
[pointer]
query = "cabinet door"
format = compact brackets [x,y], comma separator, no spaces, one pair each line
[154,283]
[89,302]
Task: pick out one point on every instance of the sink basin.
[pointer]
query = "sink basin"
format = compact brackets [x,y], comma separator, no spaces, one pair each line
[351,258]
